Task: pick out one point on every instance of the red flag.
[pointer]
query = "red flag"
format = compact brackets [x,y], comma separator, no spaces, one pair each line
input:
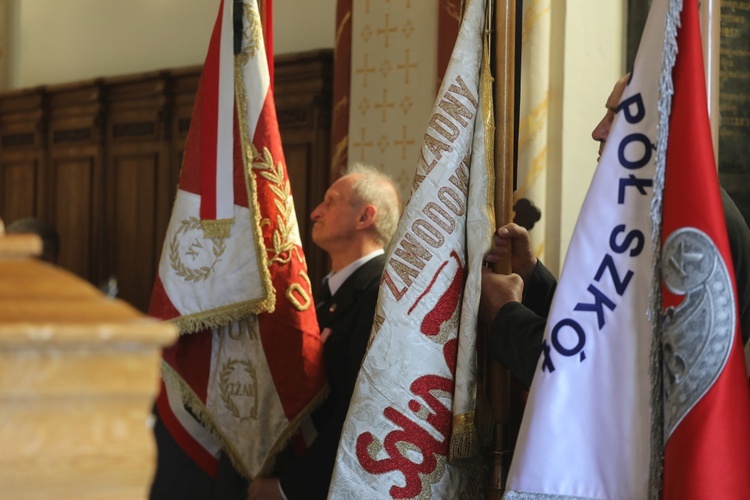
[707,398]
[233,275]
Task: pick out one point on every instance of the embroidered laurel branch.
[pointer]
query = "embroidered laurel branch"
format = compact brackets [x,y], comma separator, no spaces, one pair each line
[283,245]
[251,33]
[226,372]
[179,267]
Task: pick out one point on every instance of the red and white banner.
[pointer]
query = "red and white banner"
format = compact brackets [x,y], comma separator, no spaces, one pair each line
[213,267]
[599,401]
[706,391]
[418,379]
[249,362]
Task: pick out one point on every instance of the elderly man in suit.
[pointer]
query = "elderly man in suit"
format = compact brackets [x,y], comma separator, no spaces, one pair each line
[353,224]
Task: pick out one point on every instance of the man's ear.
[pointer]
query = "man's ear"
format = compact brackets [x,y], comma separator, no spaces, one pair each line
[366,216]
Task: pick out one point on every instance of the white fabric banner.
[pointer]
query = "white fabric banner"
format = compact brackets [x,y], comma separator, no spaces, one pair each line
[249,417]
[213,269]
[397,434]
[586,427]
[202,274]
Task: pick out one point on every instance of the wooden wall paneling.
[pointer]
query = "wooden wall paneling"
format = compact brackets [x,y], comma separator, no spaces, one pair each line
[101,161]
[22,155]
[139,184]
[303,94]
[75,180]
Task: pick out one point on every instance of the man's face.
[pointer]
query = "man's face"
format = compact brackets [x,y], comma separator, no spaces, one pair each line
[335,218]
[601,131]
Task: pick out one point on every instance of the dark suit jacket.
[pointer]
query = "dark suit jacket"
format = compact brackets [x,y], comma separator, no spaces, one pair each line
[518,329]
[349,314]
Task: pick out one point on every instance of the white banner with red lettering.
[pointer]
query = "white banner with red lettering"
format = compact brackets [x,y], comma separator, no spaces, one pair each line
[213,268]
[419,373]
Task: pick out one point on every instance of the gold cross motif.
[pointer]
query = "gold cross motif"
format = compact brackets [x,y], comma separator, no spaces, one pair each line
[385,105]
[385,68]
[407,66]
[387,30]
[408,29]
[362,144]
[366,33]
[383,143]
[403,143]
[365,70]
[405,104]
[364,106]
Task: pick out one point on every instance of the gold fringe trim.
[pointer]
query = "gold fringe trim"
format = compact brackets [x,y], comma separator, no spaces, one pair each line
[189,398]
[464,439]
[283,440]
[221,316]
[252,190]
[219,228]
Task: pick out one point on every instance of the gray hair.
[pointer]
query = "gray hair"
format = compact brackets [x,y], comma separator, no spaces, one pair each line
[377,188]
[45,230]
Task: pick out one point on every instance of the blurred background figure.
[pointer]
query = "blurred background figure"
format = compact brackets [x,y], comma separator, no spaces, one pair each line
[45,230]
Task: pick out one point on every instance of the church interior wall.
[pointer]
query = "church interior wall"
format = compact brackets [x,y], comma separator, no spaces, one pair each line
[51,42]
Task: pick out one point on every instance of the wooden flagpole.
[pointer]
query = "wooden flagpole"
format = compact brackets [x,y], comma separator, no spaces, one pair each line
[504,103]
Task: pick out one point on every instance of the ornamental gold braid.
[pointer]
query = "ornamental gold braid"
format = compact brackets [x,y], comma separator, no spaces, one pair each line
[251,33]
[179,267]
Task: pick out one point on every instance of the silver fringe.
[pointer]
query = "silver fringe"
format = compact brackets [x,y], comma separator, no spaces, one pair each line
[666,90]
[522,495]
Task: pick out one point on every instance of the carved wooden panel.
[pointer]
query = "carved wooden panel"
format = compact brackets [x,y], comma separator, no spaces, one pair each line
[22,155]
[75,177]
[18,189]
[138,182]
[101,160]
[75,192]
[135,243]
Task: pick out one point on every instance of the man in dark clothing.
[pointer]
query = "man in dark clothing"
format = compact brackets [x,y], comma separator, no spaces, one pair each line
[353,224]
[46,231]
[516,306]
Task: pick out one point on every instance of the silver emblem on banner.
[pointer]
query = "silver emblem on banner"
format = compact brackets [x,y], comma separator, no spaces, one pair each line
[698,333]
